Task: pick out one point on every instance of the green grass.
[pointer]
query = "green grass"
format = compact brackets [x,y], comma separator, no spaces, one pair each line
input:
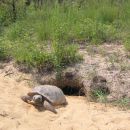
[127,43]
[99,95]
[35,55]
[69,23]
[3,54]
[123,103]
[55,25]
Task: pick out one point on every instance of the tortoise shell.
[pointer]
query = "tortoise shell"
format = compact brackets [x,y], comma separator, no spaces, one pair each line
[52,94]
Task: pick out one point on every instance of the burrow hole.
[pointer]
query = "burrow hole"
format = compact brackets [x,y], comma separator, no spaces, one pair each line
[73,91]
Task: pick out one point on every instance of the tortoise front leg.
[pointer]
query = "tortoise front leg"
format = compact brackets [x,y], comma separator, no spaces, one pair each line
[27,99]
[49,107]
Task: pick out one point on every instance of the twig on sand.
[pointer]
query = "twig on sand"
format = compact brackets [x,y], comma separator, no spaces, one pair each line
[8,74]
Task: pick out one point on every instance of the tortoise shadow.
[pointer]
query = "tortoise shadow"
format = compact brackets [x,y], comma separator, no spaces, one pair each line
[42,109]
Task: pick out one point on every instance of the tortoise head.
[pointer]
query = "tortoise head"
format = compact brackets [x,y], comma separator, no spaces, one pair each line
[37,99]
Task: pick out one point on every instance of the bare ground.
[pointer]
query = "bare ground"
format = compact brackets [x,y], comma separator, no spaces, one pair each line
[77,115]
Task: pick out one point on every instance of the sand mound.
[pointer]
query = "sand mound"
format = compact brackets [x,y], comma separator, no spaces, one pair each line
[78,115]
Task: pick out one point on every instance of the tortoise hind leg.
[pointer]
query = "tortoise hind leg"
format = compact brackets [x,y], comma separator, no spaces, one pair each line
[49,107]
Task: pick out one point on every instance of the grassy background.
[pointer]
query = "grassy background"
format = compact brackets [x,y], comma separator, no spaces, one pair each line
[45,36]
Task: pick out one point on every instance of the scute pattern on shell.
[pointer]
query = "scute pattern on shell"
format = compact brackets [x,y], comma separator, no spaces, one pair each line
[52,93]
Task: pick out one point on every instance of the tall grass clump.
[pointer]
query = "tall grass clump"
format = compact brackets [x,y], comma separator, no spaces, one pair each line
[11,10]
[38,56]
[68,22]
[95,21]
[65,54]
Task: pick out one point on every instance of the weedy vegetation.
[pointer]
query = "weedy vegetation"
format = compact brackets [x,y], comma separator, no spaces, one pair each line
[41,35]
[123,103]
[99,95]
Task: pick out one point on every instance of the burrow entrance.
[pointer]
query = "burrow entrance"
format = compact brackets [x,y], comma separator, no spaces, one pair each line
[73,91]
[98,86]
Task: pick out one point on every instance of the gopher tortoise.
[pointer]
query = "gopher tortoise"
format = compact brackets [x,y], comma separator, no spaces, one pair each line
[46,96]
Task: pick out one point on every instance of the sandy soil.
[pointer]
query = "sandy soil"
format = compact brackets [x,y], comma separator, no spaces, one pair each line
[78,115]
